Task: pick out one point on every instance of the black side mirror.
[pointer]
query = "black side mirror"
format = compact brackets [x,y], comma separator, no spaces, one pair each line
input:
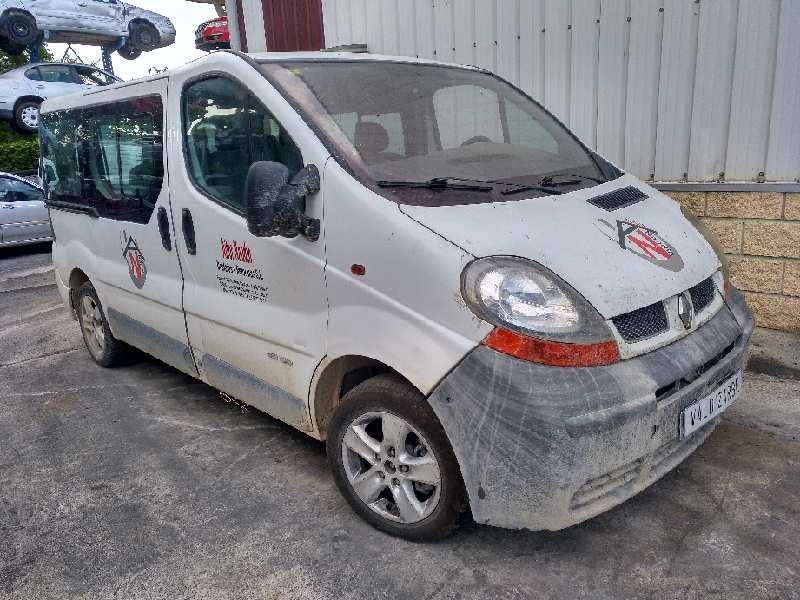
[276,206]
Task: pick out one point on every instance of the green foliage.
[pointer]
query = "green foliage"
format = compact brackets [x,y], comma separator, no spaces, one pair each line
[8,62]
[18,152]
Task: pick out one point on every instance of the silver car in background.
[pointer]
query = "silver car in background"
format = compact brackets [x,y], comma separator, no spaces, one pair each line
[93,22]
[22,90]
[24,218]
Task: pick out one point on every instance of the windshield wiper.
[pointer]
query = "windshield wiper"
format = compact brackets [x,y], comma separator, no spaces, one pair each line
[550,180]
[515,187]
[437,183]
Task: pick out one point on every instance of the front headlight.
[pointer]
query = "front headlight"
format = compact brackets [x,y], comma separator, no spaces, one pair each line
[523,296]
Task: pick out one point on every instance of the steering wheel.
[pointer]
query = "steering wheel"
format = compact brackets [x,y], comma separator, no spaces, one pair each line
[475,140]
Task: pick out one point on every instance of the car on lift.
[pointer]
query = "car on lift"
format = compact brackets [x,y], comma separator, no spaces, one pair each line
[23,215]
[94,22]
[23,89]
[213,35]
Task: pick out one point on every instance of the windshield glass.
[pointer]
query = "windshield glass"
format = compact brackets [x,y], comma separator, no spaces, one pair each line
[395,123]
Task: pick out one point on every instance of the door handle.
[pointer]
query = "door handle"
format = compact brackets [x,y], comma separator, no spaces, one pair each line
[8,206]
[187,223]
[163,229]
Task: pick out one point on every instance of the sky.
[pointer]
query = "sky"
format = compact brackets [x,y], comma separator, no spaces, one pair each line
[186,16]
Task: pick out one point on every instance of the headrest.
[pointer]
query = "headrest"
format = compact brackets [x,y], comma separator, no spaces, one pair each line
[370,138]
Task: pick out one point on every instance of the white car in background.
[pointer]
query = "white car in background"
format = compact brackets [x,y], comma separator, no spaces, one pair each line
[94,22]
[23,215]
[22,90]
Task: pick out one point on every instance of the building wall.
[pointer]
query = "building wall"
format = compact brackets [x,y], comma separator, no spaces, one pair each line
[672,90]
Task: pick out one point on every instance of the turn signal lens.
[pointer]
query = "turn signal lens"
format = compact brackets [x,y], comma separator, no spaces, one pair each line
[548,352]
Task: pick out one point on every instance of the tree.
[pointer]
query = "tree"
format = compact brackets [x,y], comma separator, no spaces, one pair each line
[8,62]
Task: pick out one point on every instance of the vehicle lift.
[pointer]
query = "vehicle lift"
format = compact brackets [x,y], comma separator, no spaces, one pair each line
[106,51]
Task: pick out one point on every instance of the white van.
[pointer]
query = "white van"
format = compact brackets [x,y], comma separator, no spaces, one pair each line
[411,260]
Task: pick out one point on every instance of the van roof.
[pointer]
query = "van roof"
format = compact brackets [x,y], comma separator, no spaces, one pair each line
[82,98]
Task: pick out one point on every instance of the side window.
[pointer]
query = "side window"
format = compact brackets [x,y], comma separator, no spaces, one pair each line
[226,129]
[89,76]
[33,74]
[60,166]
[56,74]
[107,158]
[12,190]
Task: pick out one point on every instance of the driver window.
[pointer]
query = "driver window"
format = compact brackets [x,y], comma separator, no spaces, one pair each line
[12,190]
[467,114]
[226,129]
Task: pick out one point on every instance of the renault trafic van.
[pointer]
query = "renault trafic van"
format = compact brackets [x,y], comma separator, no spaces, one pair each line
[413,261]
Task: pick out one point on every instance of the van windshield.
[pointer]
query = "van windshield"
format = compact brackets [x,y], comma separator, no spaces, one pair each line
[435,135]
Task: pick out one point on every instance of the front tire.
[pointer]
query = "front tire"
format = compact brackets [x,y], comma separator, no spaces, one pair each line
[103,347]
[393,463]
[26,117]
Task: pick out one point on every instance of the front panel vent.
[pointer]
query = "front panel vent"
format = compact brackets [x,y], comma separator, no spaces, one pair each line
[619,198]
[642,323]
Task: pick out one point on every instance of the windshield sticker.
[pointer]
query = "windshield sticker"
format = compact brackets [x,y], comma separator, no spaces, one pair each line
[137,268]
[238,280]
[642,241]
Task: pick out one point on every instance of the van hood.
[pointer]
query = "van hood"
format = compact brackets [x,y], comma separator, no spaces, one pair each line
[619,260]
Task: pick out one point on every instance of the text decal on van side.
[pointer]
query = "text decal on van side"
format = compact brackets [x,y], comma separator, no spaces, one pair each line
[642,241]
[236,280]
[137,268]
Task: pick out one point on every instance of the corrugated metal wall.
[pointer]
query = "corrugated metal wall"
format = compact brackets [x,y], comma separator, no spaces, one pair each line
[698,90]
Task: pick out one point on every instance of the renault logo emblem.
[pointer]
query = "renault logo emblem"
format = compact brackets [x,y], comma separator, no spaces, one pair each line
[686,309]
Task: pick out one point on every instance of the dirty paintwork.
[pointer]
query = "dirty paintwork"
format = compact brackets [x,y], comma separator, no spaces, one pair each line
[155,343]
[256,392]
[533,440]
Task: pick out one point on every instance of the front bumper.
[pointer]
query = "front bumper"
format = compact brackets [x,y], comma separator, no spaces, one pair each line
[545,447]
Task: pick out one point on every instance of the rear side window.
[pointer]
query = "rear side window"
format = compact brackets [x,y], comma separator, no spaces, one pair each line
[226,129]
[56,74]
[106,159]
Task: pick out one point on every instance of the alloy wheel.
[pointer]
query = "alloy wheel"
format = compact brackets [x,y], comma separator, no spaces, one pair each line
[30,116]
[391,467]
[92,324]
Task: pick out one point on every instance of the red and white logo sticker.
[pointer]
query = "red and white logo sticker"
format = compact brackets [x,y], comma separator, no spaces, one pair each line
[137,268]
[643,241]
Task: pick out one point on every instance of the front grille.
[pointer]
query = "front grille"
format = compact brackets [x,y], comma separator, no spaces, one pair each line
[703,294]
[618,198]
[642,323]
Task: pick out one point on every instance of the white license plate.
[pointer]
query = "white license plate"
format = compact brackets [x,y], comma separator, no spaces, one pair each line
[701,412]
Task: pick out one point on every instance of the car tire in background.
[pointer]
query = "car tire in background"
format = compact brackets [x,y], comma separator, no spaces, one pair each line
[393,463]
[20,29]
[144,36]
[103,347]
[10,48]
[26,117]
[128,52]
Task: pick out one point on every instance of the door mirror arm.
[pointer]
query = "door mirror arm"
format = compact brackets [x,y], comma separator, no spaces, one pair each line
[277,206]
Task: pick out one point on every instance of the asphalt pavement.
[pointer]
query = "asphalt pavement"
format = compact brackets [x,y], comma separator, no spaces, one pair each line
[139,482]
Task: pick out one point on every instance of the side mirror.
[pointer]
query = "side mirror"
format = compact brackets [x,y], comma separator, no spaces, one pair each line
[277,206]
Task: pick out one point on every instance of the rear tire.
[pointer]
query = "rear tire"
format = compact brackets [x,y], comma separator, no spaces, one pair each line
[21,29]
[409,482]
[128,52]
[103,347]
[26,117]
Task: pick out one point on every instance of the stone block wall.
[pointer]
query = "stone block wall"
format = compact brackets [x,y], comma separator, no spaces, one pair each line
[760,233]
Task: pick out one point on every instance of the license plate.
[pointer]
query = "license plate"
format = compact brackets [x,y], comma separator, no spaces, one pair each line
[701,412]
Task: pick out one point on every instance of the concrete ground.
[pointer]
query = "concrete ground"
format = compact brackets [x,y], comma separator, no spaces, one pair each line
[139,482]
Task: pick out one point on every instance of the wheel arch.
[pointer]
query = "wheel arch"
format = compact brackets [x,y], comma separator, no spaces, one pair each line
[77,278]
[27,98]
[338,377]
